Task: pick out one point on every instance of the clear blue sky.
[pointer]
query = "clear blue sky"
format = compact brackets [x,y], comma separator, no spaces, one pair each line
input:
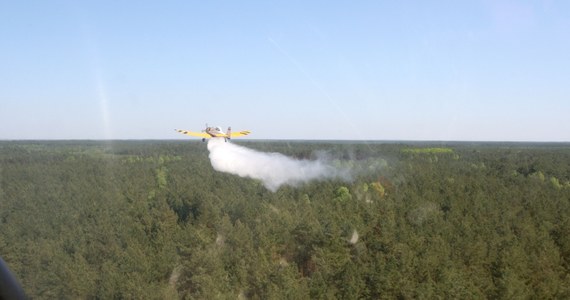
[378,70]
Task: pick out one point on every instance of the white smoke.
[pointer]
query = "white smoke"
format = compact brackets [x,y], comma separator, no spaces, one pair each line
[273,169]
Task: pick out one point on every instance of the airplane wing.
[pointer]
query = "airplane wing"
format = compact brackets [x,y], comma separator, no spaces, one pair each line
[240,133]
[196,134]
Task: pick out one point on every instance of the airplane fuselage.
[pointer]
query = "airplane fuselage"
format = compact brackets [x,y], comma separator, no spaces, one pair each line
[215,132]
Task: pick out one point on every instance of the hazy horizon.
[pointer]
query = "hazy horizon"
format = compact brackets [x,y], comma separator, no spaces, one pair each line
[426,142]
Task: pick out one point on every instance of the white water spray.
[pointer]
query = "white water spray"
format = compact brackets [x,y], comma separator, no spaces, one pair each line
[273,169]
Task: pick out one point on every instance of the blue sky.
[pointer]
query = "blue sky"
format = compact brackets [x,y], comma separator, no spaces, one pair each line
[366,70]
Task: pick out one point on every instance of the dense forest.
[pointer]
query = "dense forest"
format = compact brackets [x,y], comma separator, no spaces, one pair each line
[152,219]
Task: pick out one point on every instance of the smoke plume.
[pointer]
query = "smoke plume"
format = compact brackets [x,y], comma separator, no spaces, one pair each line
[273,169]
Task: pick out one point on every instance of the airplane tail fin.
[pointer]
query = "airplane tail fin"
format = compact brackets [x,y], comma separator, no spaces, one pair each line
[229,133]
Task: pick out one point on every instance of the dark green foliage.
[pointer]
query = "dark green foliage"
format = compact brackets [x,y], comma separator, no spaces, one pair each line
[154,220]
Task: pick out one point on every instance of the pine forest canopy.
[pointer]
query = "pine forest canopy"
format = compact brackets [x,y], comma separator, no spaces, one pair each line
[153,219]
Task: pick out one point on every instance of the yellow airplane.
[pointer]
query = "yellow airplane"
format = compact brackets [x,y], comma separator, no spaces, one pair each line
[211,132]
